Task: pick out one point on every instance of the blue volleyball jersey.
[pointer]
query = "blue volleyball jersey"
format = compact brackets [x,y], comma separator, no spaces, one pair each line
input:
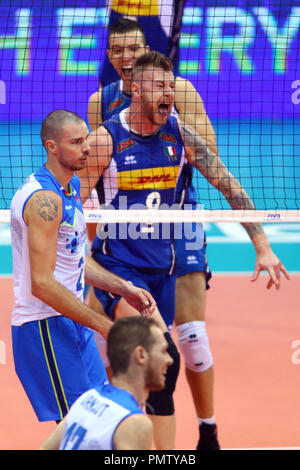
[185,191]
[161,21]
[143,174]
[94,418]
[115,100]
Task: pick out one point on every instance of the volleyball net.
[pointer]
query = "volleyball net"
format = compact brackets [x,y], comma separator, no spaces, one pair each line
[242,57]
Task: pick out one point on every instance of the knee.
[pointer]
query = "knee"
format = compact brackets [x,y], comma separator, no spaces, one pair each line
[194,345]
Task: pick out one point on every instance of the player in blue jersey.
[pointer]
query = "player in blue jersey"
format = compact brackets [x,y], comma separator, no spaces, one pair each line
[56,357]
[111,417]
[161,22]
[127,42]
[153,88]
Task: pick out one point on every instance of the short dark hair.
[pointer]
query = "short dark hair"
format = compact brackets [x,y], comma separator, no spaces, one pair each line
[124,336]
[153,59]
[125,25]
[53,123]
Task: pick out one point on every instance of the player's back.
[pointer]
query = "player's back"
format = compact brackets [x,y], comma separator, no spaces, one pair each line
[95,416]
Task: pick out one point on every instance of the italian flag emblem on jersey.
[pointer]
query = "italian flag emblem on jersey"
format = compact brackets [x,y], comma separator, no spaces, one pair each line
[170,151]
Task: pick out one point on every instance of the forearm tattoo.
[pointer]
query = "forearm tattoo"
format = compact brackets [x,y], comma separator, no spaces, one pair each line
[214,170]
[46,207]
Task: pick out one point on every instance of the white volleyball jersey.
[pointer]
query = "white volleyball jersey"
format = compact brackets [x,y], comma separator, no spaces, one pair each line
[95,416]
[69,269]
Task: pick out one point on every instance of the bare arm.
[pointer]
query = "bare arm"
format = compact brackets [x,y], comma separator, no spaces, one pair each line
[191,110]
[99,159]
[53,441]
[138,298]
[134,433]
[94,110]
[43,214]
[214,170]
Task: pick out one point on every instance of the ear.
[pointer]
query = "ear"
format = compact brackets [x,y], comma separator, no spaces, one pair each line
[136,89]
[140,355]
[51,146]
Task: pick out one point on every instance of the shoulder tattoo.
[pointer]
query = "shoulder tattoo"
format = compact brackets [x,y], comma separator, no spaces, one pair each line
[46,207]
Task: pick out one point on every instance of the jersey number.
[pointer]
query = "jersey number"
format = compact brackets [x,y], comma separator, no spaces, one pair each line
[152,202]
[74,435]
[79,285]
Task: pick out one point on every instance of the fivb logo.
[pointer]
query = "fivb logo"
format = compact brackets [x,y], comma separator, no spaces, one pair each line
[2,92]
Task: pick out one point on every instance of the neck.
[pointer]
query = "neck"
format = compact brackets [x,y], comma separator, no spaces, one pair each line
[127,88]
[62,175]
[133,385]
[139,122]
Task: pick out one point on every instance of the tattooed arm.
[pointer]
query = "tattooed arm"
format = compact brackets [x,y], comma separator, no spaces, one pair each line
[43,214]
[214,170]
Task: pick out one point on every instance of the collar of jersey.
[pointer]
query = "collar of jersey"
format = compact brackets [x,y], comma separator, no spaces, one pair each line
[135,134]
[121,89]
[57,184]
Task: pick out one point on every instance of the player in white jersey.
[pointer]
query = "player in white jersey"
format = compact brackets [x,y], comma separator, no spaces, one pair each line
[56,357]
[111,417]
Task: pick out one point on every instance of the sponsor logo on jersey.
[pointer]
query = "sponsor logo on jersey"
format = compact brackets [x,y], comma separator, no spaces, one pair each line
[168,137]
[191,259]
[148,178]
[115,104]
[130,160]
[125,144]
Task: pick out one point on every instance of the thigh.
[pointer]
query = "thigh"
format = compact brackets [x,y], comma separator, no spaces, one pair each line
[92,360]
[164,295]
[190,298]
[190,260]
[192,282]
[50,362]
[112,304]
[162,288]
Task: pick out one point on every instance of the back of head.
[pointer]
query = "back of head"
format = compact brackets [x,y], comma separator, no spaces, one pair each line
[124,336]
[54,123]
[152,59]
[125,25]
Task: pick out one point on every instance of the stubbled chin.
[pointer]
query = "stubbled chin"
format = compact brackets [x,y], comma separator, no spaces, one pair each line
[162,118]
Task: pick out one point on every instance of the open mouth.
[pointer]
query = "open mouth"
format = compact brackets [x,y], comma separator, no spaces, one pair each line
[127,72]
[163,109]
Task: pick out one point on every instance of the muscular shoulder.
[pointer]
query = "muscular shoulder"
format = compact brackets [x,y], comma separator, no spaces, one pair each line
[45,206]
[94,109]
[184,85]
[134,433]
[95,98]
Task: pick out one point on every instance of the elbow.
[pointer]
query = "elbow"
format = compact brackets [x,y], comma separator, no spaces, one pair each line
[39,287]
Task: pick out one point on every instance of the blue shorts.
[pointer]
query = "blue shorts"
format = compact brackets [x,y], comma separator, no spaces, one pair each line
[56,360]
[160,285]
[190,260]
